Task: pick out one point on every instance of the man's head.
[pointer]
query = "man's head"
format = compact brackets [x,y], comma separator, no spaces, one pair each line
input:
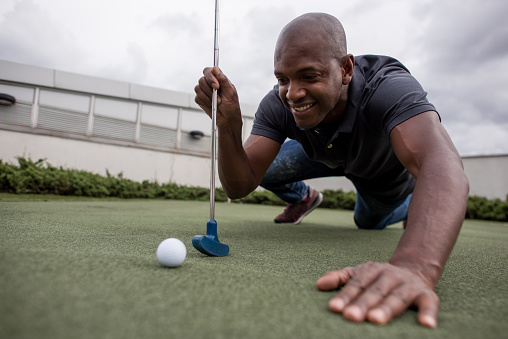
[313,68]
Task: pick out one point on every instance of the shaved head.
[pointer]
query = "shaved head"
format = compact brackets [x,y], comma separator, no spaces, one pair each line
[313,69]
[314,26]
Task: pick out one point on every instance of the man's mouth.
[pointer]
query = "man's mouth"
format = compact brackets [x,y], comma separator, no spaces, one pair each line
[302,108]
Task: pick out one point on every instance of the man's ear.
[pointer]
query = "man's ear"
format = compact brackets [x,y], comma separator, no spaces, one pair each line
[348,66]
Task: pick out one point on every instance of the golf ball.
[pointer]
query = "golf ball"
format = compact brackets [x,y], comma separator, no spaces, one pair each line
[171,252]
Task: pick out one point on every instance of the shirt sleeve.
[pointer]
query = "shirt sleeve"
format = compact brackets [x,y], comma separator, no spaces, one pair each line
[269,120]
[396,97]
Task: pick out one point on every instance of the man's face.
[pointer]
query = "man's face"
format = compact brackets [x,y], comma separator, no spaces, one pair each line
[310,81]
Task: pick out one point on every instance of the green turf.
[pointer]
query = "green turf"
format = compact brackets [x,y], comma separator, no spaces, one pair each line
[87,269]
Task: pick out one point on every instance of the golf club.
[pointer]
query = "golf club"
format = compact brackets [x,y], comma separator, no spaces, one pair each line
[209,244]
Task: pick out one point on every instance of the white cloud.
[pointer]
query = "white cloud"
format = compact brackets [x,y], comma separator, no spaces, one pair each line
[455,48]
[485,138]
[28,34]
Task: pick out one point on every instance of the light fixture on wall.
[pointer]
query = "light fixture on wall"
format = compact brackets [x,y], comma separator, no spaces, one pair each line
[196,134]
[7,100]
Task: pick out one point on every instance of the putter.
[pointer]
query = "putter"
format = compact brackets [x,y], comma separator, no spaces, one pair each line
[209,244]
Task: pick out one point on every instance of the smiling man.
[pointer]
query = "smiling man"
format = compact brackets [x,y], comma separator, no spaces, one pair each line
[365,118]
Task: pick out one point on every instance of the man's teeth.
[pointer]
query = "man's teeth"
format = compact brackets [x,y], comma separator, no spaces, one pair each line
[303,108]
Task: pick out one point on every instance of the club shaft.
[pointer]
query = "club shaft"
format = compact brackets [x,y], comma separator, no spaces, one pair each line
[213,150]
[216,34]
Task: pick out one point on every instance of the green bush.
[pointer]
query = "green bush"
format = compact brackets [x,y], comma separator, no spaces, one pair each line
[338,199]
[39,177]
[263,198]
[484,209]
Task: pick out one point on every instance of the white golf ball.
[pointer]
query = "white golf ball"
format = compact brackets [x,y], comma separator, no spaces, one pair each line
[171,252]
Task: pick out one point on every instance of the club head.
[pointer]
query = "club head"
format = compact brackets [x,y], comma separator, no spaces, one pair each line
[209,244]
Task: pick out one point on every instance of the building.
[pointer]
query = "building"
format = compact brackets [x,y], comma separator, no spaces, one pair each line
[98,125]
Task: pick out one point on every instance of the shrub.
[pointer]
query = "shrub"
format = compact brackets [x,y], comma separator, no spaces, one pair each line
[39,177]
[482,208]
[338,199]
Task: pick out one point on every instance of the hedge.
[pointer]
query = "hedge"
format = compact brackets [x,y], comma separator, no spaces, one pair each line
[39,177]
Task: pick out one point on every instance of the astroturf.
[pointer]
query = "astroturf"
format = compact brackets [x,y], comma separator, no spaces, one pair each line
[87,269]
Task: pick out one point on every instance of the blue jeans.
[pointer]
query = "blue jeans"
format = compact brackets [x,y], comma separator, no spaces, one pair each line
[285,178]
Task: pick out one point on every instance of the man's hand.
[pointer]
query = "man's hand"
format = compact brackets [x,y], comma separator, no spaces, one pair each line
[378,292]
[228,105]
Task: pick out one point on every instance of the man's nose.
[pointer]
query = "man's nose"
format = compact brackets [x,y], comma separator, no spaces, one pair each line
[295,92]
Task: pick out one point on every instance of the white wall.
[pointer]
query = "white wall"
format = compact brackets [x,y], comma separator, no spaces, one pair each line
[488,176]
[135,163]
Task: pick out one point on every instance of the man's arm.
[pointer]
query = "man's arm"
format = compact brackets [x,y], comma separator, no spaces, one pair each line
[438,205]
[378,292]
[241,167]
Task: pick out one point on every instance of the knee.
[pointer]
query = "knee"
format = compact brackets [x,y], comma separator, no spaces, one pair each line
[267,182]
[363,225]
[367,224]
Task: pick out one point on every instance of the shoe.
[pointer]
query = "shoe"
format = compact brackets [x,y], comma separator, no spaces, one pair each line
[293,214]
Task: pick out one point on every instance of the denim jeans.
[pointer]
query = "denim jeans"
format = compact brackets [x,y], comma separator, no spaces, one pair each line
[285,178]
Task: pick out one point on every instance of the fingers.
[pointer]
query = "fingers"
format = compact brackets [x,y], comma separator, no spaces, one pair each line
[378,293]
[428,308]
[394,304]
[222,81]
[334,279]
[214,79]
[210,78]
[203,98]
[204,89]
[362,292]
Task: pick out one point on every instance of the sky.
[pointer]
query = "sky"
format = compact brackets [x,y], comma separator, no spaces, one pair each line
[457,49]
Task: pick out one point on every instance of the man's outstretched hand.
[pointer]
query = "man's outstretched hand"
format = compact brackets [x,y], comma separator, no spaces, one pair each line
[378,292]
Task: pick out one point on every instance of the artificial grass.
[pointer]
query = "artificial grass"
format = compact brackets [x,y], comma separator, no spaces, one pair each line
[87,269]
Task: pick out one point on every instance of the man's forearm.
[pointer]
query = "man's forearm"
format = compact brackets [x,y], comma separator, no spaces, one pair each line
[435,216]
[234,168]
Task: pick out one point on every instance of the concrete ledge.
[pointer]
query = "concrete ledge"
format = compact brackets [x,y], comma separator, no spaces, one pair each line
[89,84]
[159,95]
[39,76]
[12,71]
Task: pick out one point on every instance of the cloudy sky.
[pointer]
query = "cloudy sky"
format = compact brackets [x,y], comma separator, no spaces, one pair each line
[457,49]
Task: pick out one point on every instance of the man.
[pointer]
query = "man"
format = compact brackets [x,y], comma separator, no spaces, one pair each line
[370,121]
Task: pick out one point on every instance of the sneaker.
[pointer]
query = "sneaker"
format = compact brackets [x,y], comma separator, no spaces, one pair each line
[294,214]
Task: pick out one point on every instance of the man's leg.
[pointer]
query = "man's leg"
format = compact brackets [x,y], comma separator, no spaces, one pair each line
[370,213]
[284,178]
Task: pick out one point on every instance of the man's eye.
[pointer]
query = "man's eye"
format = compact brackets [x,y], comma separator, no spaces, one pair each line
[310,77]
[282,81]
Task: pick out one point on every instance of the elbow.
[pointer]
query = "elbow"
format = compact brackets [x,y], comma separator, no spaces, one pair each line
[460,183]
[465,183]
[236,189]
[459,178]
[234,194]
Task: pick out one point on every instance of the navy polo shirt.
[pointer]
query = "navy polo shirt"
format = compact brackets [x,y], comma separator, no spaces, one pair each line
[381,95]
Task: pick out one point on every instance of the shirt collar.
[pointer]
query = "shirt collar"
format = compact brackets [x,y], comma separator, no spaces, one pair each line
[348,119]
